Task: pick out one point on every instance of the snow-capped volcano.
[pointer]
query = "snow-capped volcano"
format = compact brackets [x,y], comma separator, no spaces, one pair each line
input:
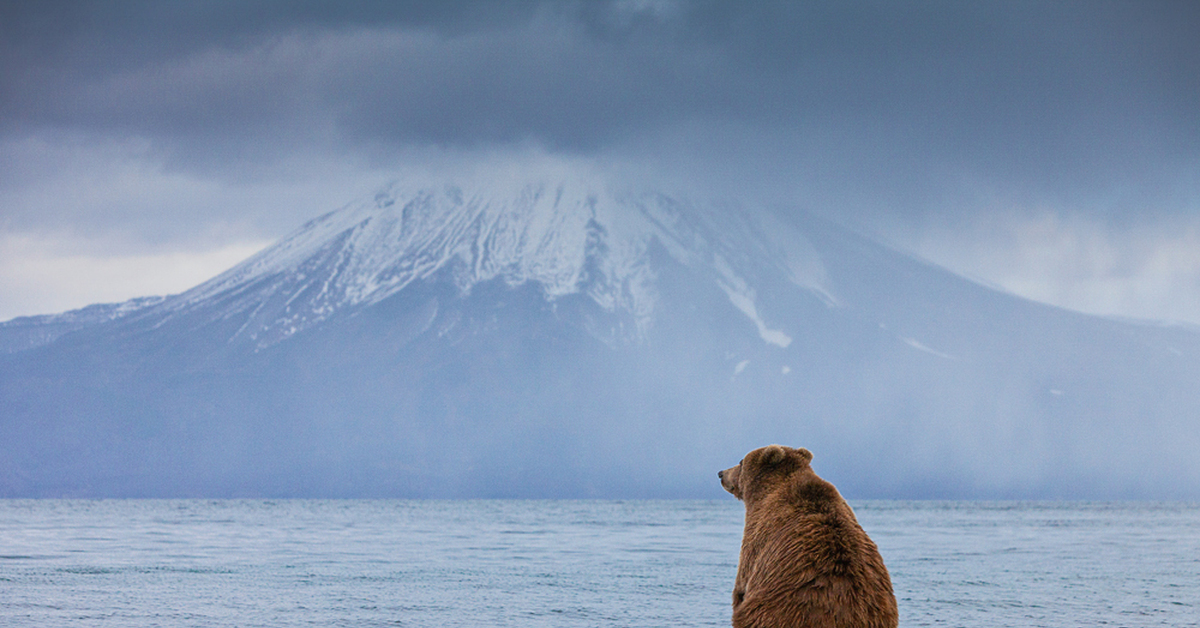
[566,240]
[564,340]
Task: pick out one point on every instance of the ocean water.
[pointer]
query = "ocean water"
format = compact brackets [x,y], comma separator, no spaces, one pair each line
[567,563]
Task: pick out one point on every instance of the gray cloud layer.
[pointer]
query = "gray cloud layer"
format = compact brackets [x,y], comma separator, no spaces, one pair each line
[900,111]
[1051,94]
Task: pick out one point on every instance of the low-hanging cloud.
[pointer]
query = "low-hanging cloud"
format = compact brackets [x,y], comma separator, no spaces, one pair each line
[1075,261]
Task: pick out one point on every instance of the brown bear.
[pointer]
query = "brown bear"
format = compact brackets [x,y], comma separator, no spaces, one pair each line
[805,560]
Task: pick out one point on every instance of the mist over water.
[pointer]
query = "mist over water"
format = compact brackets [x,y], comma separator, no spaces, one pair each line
[135,563]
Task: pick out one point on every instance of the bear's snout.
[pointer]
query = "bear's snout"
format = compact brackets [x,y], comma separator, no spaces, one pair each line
[729,478]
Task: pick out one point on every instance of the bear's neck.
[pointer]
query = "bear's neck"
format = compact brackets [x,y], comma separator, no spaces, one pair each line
[810,495]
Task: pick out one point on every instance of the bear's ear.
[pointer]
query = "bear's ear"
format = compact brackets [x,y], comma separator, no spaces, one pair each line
[773,454]
[805,454]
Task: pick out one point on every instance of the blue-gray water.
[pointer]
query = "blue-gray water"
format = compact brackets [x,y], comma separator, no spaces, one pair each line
[567,563]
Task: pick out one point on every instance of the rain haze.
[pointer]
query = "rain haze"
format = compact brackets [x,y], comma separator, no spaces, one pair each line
[478,249]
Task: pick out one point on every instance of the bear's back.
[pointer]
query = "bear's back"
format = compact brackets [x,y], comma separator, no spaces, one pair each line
[811,563]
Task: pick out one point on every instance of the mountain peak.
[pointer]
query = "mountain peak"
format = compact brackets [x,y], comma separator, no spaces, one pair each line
[566,238]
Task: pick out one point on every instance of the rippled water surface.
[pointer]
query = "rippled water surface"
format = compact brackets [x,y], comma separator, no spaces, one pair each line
[567,563]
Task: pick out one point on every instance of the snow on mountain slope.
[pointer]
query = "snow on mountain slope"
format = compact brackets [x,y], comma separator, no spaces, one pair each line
[567,238]
[27,332]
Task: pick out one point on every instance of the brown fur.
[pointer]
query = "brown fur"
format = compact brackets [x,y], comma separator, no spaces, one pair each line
[805,561]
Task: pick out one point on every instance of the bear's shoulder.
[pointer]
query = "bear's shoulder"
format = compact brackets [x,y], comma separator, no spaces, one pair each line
[810,492]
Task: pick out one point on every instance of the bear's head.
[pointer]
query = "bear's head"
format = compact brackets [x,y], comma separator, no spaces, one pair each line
[762,469]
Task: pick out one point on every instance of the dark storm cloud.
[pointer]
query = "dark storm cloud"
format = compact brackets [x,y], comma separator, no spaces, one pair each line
[1054,98]
[100,35]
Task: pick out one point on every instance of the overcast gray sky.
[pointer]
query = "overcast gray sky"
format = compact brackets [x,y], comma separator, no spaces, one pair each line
[1052,149]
